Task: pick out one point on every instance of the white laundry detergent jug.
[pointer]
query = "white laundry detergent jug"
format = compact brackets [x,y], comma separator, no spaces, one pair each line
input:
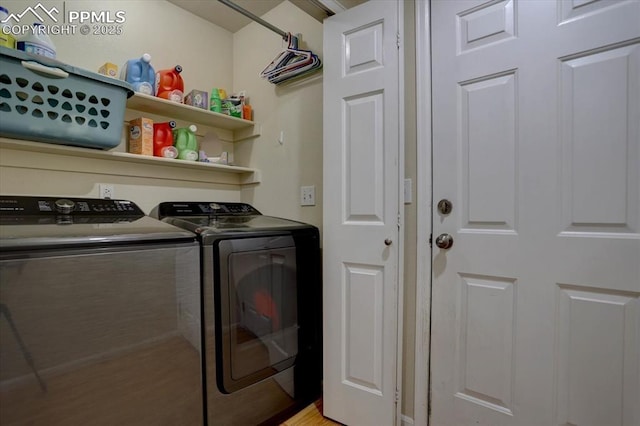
[37,41]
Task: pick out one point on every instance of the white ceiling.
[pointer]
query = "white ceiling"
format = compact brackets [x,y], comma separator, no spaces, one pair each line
[227,18]
[223,16]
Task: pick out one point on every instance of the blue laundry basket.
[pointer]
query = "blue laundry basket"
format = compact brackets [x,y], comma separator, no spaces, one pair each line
[45,100]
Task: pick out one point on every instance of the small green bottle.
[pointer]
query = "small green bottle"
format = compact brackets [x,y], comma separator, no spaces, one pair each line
[215,103]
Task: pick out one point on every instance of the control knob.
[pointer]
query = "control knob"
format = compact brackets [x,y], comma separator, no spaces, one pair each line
[64,206]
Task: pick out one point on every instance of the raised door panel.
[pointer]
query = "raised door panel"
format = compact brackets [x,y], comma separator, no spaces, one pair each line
[597,358]
[600,138]
[363,150]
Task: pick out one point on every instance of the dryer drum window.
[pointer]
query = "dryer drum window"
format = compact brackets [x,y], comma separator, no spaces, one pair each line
[258,310]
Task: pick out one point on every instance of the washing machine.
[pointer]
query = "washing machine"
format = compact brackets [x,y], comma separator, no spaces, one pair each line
[261,285]
[99,315]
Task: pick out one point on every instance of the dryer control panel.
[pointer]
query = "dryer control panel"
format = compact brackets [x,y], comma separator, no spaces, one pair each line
[176,208]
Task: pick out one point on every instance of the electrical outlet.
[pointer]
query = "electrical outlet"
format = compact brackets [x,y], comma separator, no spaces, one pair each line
[105,190]
[307,195]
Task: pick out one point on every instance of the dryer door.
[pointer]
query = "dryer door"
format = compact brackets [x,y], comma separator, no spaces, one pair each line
[258,310]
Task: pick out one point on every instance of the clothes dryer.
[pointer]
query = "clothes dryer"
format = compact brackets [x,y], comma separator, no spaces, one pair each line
[261,286]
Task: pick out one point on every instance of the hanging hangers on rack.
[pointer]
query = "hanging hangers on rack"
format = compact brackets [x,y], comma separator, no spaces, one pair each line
[289,53]
[291,62]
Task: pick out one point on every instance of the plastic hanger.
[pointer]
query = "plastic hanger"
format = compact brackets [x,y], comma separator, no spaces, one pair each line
[290,62]
[285,56]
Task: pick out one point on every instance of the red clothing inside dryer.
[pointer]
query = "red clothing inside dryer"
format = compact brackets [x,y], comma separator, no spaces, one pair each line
[266,307]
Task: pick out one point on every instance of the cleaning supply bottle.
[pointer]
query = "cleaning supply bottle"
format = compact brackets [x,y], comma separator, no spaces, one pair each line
[184,139]
[247,112]
[169,84]
[6,38]
[37,41]
[140,74]
[215,102]
[163,140]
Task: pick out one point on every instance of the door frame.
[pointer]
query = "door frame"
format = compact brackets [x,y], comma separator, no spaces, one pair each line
[424,187]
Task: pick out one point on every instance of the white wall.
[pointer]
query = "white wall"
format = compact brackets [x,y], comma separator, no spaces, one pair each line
[294,109]
[210,57]
[172,36]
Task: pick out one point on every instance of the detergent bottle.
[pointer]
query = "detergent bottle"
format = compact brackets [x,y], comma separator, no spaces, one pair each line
[169,84]
[37,41]
[184,139]
[163,140]
[140,74]
[6,38]
[215,103]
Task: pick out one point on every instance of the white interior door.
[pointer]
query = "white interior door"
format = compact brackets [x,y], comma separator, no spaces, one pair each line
[361,243]
[536,313]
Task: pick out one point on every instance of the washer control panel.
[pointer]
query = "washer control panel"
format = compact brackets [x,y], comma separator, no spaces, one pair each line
[15,209]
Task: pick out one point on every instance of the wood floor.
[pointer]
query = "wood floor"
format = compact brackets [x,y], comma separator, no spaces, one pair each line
[310,416]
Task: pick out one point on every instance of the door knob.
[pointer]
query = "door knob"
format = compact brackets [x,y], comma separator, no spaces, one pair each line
[387,241]
[444,241]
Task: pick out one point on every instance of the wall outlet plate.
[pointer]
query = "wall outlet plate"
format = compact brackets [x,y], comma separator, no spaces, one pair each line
[307,195]
[105,190]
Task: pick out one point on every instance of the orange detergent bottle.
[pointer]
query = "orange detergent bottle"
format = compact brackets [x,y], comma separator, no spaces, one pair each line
[169,84]
[163,140]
